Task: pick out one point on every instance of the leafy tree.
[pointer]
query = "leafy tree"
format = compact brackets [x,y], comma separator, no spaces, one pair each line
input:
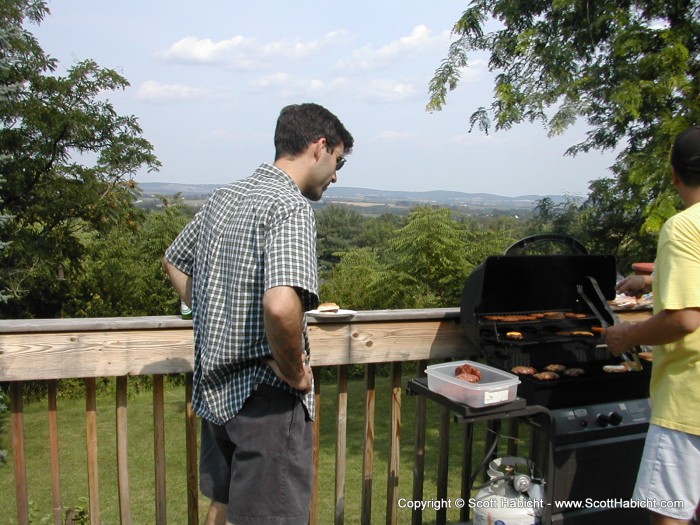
[430,249]
[121,272]
[338,228]
[421,264]
[609,222]
[69,163]
[562,218]
[630,69]
[377,232]
[615,225]
[355,282]
[3,244]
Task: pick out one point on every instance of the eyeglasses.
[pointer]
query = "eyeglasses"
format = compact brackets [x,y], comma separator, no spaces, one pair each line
[340,161]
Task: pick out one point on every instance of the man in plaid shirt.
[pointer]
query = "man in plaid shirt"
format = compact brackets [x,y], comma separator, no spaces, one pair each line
[247,265]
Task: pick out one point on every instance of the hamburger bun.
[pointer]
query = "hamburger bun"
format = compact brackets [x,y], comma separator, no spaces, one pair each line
[328,307]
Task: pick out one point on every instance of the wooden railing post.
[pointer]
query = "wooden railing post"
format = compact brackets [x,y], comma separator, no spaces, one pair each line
[20,462]
[392,489]
[53,447]
[368,445]
[159,448]
[192,455]
[122,452]
[91,441]
[419,450]
[341,445]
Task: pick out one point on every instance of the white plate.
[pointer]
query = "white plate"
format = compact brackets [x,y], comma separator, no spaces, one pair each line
[327,315]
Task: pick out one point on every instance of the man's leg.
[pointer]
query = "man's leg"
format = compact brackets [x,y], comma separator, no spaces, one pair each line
[214,476]
[669,476]
[272,466]
[216,514]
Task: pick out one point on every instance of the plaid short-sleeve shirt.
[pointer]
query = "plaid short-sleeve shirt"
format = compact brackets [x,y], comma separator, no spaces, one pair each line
[252,235]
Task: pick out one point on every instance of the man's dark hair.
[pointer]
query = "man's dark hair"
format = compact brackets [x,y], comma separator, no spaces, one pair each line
[301,124]
[685,156]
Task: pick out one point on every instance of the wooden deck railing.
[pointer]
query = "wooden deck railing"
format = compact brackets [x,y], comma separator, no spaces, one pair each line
[49,350]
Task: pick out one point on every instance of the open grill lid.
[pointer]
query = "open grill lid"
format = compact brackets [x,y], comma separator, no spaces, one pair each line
[534,283]
[514,283]
[529,283]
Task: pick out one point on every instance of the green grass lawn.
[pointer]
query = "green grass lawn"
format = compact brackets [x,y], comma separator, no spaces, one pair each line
[71,414]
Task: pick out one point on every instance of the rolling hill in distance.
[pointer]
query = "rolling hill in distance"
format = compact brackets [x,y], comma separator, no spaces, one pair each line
[366,198]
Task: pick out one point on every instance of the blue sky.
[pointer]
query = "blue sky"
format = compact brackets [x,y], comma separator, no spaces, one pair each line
[208,79]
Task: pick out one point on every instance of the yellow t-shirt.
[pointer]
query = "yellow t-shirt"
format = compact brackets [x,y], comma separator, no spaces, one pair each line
[675,377]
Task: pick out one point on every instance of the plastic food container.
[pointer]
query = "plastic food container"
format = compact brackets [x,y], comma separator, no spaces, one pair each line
[495,387]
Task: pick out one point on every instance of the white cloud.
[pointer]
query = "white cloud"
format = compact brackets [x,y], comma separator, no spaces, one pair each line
[274,80]
[287,85]
[383,90]
[420,39]
[155,91]
[244,52]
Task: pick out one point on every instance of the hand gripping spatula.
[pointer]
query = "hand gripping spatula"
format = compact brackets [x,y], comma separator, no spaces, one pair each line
[631,357]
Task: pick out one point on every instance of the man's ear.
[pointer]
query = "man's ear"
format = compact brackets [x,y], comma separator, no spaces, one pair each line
[317,147]
[674,177]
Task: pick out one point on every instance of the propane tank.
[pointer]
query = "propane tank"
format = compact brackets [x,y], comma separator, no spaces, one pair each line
[511,497]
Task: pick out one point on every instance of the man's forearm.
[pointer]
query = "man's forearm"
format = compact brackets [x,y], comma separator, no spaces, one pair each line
[180,281]
[663,328]
[283,316]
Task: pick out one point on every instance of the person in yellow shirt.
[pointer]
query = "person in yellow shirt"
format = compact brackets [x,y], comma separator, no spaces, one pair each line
[670,466]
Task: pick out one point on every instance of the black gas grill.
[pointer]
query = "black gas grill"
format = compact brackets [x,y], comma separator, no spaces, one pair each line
[537,310]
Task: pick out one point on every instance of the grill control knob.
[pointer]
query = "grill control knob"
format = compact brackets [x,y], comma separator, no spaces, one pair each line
[603,420]
[615,418]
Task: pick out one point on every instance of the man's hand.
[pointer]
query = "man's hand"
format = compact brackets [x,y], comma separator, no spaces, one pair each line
[616,337]
[635,285]
[304,384]
[667,326]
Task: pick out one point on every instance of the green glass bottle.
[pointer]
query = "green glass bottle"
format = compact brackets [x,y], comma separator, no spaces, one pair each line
[185,310]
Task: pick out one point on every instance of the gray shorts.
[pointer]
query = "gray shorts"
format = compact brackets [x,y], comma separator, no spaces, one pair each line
[267,449]
[214,467]
[669,474]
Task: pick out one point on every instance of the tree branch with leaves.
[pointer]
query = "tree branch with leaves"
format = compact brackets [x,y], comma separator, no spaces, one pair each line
[630,70]
[68,159]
